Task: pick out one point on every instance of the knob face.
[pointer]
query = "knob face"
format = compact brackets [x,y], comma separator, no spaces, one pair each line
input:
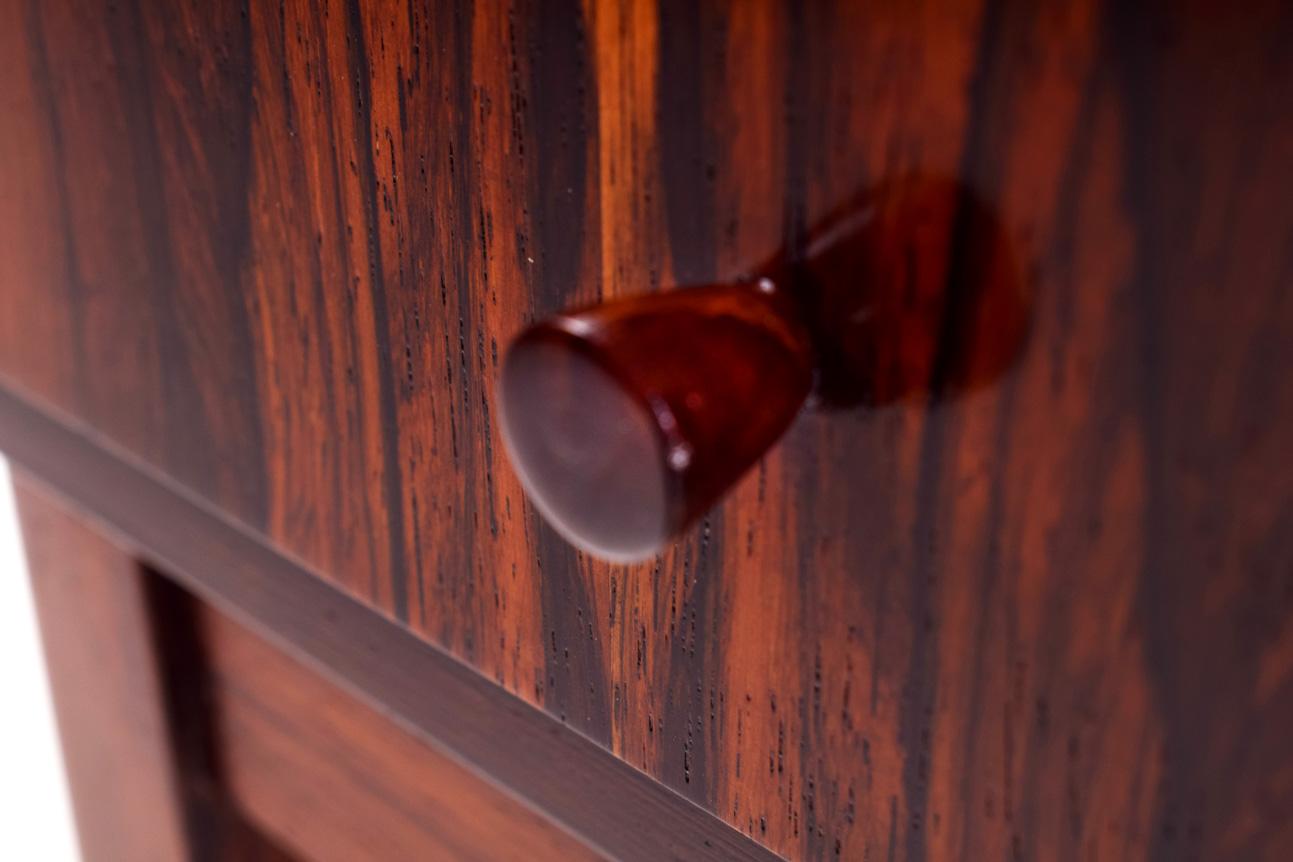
[587,448]
[626,421]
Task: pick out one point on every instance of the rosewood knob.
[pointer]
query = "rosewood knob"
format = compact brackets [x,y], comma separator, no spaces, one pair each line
[626,421]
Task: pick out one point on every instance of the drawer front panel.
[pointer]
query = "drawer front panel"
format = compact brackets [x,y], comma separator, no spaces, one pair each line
[277,253]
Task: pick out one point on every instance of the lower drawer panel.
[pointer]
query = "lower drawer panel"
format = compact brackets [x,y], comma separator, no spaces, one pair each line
[330,778]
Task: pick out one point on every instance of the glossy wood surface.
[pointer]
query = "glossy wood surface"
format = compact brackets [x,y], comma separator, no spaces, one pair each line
[276,251]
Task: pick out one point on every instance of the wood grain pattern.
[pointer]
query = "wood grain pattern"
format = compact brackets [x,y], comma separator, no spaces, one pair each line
[335,780]
[275,249]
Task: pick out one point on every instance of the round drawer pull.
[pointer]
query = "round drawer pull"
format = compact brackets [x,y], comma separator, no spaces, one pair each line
[627,420]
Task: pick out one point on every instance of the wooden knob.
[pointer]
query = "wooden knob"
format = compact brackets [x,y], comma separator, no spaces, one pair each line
[628,420]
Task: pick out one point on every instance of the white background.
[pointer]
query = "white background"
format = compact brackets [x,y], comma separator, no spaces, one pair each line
[35,813]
